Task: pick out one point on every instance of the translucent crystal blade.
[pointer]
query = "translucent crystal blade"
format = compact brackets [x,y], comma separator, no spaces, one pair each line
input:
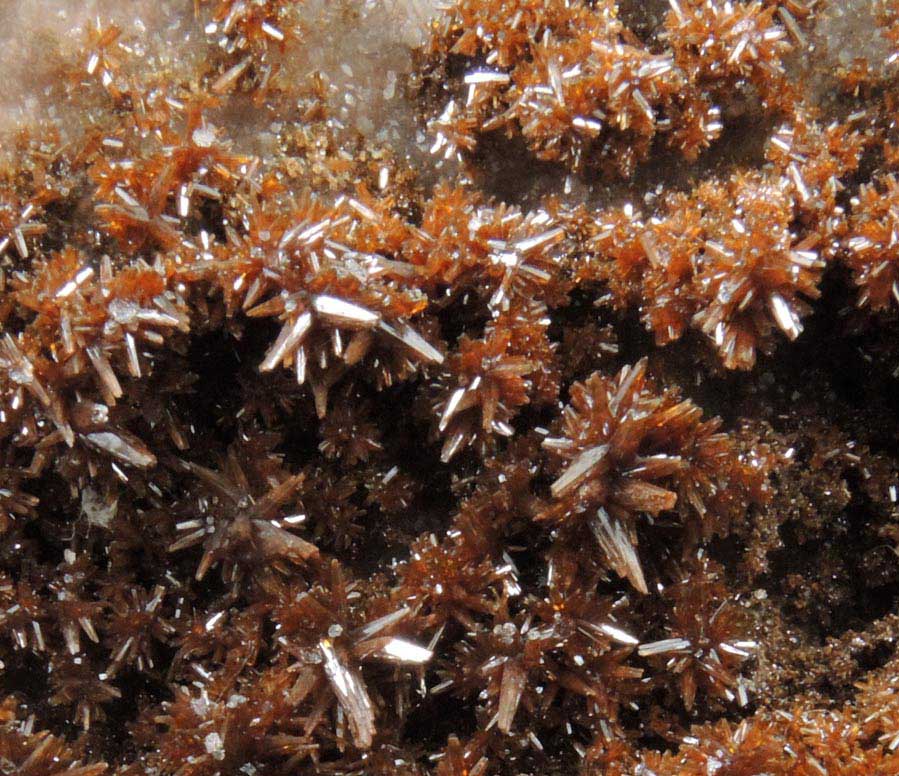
[579,469]
[339,312]
[619,550]
[351,694]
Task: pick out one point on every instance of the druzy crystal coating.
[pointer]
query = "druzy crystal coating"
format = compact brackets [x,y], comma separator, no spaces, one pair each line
[449,388]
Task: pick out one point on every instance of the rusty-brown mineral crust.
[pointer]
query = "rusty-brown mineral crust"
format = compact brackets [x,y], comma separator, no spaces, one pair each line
[465,388]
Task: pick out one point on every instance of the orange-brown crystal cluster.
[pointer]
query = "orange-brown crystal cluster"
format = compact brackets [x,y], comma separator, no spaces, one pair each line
[736,259]
[581,88]
[504,391]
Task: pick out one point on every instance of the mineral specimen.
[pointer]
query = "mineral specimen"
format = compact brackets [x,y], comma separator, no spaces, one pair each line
[463,388]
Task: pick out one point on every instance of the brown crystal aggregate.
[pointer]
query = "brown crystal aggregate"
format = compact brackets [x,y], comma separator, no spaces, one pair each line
[499,388]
